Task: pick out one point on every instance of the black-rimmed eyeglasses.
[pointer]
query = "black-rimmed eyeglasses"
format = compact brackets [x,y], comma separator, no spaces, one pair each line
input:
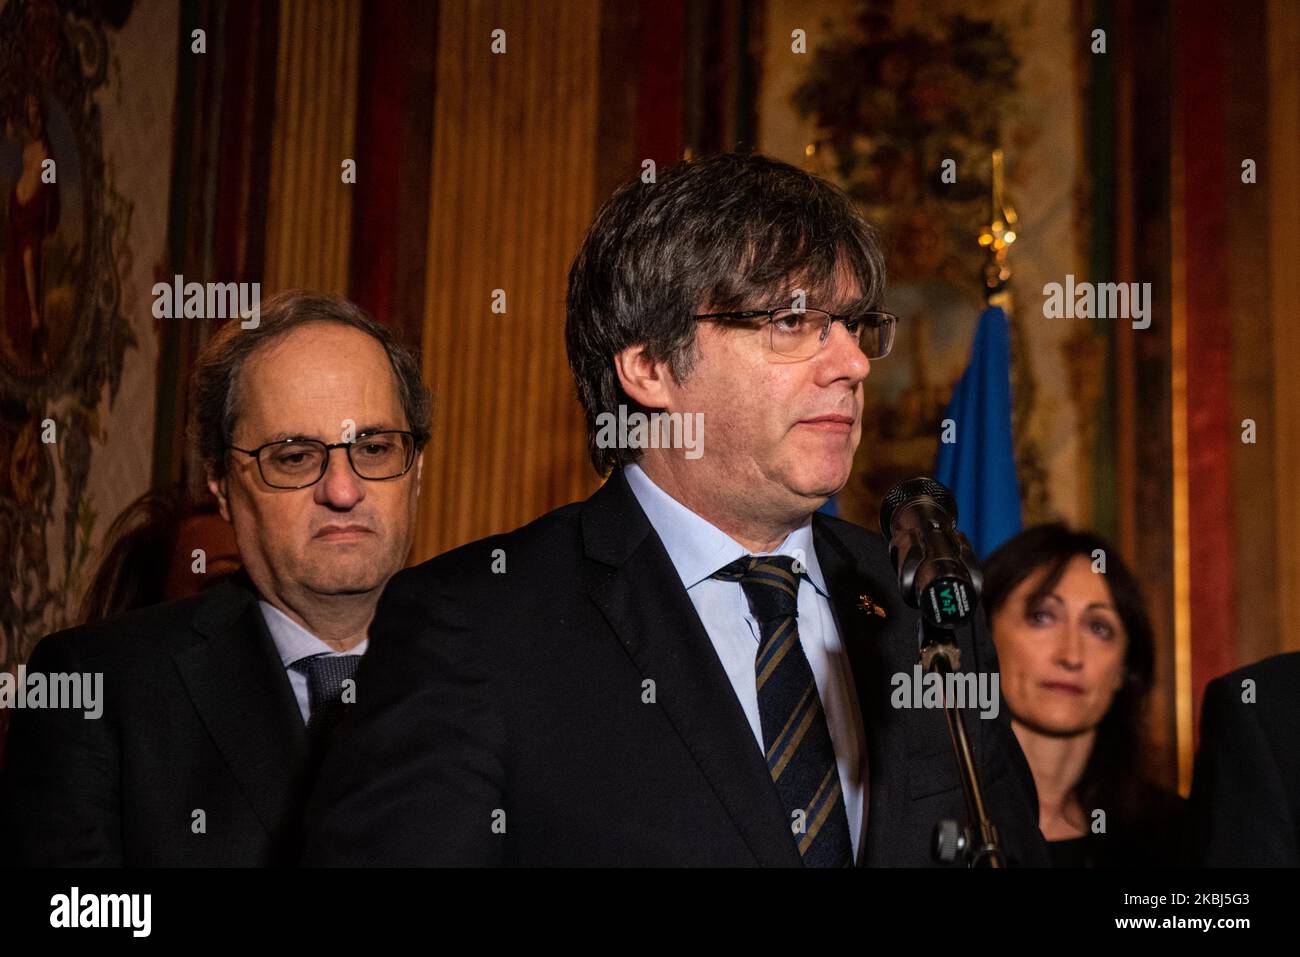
[299,463]
[801,333]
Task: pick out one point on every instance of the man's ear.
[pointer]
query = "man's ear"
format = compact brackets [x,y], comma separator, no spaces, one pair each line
[645,380]
[419,471]
[218,488]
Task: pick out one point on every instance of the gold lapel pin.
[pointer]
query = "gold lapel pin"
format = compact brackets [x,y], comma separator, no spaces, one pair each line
[867,604]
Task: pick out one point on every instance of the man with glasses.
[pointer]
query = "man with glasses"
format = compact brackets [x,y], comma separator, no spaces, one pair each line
[691,667]
[218,708]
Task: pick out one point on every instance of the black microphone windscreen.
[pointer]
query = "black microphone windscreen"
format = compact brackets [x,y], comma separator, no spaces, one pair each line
[911,489]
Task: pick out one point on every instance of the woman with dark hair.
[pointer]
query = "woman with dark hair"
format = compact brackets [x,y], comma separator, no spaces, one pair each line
[1077,662]
[149,554]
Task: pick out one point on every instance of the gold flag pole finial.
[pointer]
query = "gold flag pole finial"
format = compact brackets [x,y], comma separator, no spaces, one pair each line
[997,237]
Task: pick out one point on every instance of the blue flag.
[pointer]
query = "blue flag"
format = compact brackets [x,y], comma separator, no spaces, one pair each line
[980,466]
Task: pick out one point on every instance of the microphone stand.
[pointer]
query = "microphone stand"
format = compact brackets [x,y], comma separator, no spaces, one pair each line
[977,845]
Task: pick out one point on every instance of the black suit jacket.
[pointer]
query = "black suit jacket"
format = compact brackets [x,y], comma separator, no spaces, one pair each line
[503,714]
[198,715]
[1246,781]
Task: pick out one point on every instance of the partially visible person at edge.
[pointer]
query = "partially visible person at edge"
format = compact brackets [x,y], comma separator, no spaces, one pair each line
[147,557]
[148,554]
[1246,780]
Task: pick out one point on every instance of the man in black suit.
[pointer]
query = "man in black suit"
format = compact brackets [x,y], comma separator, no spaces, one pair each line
[690,667]
[216,708]
[1246,781]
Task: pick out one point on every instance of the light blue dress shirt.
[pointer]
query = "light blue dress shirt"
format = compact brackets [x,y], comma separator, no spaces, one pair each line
[697,549]
[294,643]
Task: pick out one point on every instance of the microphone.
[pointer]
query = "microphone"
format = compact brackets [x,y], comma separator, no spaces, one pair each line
[938,572]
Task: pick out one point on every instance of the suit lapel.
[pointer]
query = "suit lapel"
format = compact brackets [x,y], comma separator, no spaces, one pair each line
[641,597]
[237,683]
[876,647]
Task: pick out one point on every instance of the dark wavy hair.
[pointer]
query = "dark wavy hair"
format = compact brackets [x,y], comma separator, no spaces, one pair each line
[1113,776]
[137,553]
[732,231]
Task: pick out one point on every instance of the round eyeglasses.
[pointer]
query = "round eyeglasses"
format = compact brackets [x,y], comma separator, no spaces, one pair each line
[801,333]
[299,463]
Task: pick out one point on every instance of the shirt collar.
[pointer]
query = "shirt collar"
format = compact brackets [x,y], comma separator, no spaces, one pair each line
[697,547]
[293,641]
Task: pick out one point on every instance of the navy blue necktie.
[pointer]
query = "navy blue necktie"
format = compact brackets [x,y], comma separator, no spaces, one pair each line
[796,740]
[326,675]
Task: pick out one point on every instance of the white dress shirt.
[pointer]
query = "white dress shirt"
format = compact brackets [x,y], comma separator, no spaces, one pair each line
[697,549]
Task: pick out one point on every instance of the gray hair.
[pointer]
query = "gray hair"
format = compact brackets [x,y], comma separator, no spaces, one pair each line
[734,231]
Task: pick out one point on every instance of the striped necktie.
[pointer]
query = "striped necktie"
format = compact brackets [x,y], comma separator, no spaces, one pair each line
[796,741]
